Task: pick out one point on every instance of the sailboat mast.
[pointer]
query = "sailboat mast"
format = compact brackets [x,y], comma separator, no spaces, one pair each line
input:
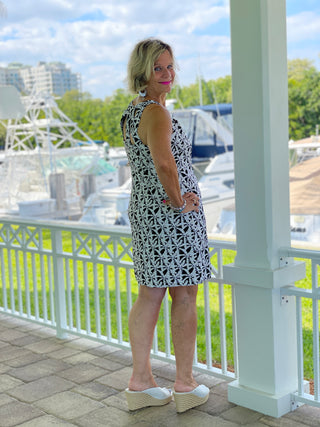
[200,82]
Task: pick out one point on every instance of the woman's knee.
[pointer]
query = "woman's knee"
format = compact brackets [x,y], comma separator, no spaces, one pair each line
[151,295]
[184,294]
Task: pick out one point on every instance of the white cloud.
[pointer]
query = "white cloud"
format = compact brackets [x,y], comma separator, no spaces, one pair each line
[303,26]
[199,18]
[67,30]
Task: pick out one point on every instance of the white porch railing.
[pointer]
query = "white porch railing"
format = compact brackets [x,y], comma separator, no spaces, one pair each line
[79,280]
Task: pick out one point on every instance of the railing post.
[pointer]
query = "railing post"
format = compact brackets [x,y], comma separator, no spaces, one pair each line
[58,284]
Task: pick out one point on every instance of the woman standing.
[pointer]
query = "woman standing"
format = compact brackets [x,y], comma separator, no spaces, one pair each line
[169,241]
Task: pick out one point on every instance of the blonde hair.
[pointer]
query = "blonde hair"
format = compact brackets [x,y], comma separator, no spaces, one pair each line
[141,62]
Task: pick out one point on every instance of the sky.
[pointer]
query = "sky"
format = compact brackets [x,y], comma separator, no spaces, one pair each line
[95,37]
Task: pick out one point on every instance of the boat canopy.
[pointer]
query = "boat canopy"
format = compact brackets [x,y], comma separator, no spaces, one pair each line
[216,109]
[209,128]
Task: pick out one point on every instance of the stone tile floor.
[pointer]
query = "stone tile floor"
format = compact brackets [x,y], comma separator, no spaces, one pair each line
[45,381]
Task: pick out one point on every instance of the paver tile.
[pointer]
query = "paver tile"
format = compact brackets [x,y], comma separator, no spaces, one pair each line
[10,335]
[26,340]
[121,356]
[216,405]
[83,344]
[26,359]
[3,344]
[7,382]
[68,405]
[95,390]
[117,401]
[30,326]
[106,364]
[44,332]
[82,373]
[167,371]
[167,416]
[11,352]
[11,322]
[44,346]
[4,368]
[16,413]
[208,380]
[221,389]
[306,414]
[103,350]
[64,353]
[242,416]
[282,422]
[106,417]
[79,357]
[5,399]
[46,421]
[39,369]
[117,380]
[41,389]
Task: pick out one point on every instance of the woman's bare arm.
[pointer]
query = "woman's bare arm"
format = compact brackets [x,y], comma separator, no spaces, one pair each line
[156,132]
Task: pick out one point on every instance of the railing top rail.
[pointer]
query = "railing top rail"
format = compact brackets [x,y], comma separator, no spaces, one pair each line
[300,253]
[68,225]
[120,230]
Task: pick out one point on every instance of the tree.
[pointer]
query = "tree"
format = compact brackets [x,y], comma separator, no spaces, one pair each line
[3,132]
[213,92]
[222,90]
[100,120]
[298,67]
[304,98]
[113,109]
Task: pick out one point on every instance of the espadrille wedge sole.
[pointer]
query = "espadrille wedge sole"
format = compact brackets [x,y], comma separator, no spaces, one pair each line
[191,399]
[156,396]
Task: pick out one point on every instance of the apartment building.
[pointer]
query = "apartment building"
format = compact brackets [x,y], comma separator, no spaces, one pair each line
[54,78]
[2,76]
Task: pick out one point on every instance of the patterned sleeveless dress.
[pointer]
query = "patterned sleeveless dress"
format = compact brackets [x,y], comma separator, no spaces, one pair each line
[169,249]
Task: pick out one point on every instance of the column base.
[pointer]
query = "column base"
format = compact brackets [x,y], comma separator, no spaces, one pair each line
[272,405]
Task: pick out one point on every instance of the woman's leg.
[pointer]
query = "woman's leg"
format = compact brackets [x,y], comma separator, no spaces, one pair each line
[184,331]
[142,321]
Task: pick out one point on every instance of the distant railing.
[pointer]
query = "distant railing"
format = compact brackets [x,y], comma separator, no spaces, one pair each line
[78,279]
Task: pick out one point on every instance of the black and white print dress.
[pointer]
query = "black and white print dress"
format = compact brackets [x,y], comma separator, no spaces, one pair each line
[169,249]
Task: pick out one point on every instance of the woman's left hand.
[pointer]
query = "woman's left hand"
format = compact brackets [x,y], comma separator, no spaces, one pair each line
[192,200]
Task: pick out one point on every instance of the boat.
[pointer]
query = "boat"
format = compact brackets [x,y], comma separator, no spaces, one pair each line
[209,127]
[46,170]
[304,184]
[109,206]
[210,130]
[305,148]
[217,187]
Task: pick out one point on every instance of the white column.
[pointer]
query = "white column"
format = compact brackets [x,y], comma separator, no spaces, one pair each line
[265,328]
